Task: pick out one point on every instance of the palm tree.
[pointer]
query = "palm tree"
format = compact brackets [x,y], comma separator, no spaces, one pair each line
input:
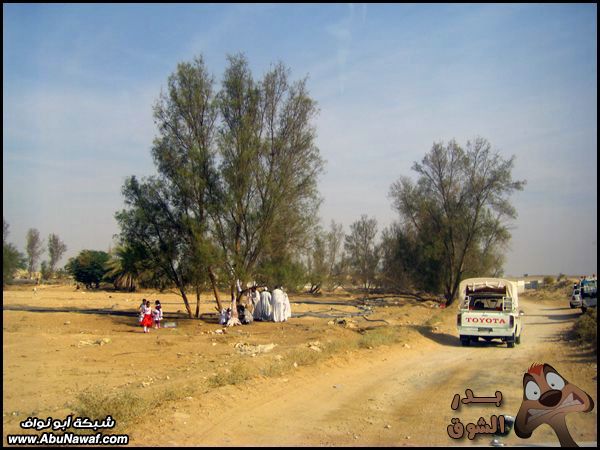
[124,268]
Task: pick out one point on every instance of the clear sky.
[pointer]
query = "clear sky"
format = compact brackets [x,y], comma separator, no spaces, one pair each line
[79,82]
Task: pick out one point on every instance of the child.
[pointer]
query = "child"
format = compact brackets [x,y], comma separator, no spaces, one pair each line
[157,313]
[147,316]
[141,310]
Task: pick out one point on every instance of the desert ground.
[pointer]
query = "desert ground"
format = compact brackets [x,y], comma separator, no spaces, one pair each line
[340,372]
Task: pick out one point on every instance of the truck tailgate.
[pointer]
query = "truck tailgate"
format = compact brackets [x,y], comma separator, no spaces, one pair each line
[485,320]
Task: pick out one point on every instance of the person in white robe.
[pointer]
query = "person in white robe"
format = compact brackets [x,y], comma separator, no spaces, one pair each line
[254,297]
[287,308]
[278,299]
[263,310]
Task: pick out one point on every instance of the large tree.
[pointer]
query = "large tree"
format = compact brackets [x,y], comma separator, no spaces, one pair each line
[237,169]
[167,214]
[267,197]
[56,249]
[362,251]
[34,248]
[457,211]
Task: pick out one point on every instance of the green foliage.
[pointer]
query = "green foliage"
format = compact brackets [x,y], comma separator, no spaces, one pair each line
[454,216]
[34,249]
[12,259]
[586,328]
[237,181]
[363,253]
[56,249]
[89,267]
[282,270]
[45,270]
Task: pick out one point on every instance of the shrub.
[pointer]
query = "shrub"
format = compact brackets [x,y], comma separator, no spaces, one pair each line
[122,407]
[586,327]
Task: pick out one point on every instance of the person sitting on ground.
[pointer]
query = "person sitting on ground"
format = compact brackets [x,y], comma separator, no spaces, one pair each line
[245,315]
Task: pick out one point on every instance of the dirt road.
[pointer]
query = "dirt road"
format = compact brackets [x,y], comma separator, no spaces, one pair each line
[389,396]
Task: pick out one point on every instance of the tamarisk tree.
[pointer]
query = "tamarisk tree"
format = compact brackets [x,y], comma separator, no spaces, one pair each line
[456,213]
[167,215]
[267,196]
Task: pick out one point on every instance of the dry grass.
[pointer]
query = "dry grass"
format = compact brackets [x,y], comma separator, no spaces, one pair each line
[125,406]
[238,374]
[379,336]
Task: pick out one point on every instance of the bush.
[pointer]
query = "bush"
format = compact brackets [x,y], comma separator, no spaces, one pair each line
[586,327]
[548,281]
[122,407]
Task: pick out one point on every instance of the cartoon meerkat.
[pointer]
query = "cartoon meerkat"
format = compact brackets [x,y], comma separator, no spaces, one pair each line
[548,398]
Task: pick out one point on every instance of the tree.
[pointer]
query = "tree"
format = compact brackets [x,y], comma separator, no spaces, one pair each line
[45,271]
[317,267]
[125,267]
[167,214]
[325,266]
[335,255]
[56,249]
[362,251]
[88,267]
[458,209]
[237,169]
[12,259]
[34,248]
[267,198]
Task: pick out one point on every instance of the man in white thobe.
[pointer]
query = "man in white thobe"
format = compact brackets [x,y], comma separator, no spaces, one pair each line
[263,310]
[287,308]
[278,299]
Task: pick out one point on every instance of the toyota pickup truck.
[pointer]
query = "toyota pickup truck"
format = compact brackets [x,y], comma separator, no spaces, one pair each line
[489,309]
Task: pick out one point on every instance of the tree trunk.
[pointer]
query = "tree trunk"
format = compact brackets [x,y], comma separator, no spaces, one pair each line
[213,281]
[197,301]
[186,303]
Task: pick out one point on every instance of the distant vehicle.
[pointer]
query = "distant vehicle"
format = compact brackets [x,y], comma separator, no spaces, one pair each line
[588,290]
[488,309]
[575,301]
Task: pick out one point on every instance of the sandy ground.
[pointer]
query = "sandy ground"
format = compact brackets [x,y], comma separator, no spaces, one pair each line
[394,394]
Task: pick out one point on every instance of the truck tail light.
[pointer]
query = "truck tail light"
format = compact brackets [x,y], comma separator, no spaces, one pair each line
[458,320]
[512,321]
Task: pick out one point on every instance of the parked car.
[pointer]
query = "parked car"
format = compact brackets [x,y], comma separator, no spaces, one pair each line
[575,301]
[589,294]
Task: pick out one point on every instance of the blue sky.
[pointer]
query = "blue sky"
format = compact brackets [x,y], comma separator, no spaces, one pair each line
[80,80]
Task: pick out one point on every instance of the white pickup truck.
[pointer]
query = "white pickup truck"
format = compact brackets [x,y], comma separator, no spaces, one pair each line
[489,309]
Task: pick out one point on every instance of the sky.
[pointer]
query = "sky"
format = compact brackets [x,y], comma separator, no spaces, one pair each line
[79,83]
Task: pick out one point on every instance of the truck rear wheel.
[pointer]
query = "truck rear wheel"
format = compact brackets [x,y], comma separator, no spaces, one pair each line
[518,339]
[510,343]
[465,341]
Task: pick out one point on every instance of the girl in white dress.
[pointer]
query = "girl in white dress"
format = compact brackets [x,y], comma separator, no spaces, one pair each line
[157,314]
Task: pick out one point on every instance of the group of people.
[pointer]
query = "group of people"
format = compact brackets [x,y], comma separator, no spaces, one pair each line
[262,306]
[150,316]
